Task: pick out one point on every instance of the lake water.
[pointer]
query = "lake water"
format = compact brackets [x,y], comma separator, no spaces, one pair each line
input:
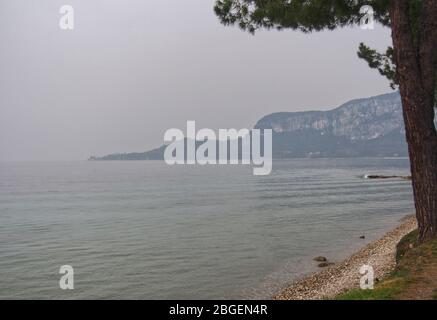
[145,230]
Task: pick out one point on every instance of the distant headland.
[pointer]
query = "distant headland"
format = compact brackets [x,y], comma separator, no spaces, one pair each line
[369,127]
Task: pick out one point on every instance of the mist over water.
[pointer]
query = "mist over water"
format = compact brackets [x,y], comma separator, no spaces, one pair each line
[145,230]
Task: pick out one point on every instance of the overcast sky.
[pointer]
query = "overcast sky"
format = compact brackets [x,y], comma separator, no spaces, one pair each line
[133,69]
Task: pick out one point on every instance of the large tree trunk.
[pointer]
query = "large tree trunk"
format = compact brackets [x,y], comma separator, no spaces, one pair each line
[422,145]
[416,71]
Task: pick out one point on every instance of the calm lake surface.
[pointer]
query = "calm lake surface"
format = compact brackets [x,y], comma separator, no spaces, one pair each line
[145,230]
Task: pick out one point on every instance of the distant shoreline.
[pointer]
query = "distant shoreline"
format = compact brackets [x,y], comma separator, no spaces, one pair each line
[344,276]
[101,159]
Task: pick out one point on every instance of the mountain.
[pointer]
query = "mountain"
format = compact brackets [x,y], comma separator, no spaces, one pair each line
[370,127]
[155,154]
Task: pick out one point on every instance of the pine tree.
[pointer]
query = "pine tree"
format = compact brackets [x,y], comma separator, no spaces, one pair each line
[410,64]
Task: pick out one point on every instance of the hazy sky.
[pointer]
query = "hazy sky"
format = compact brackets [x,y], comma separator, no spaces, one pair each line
[133,69]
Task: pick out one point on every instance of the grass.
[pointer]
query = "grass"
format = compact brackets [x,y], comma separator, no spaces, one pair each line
[415,275]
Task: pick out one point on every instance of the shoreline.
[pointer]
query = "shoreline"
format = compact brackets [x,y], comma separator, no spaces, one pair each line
[343,276]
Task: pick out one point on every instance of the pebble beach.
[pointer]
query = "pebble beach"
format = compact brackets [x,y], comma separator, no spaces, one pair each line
[344,276]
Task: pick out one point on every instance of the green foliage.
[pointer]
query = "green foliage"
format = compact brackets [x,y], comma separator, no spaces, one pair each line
[414,273]
[384,63]
[386,291]
[303,15]
[404,245]
[316,15]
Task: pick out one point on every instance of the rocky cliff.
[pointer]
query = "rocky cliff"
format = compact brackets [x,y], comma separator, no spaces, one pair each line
[365,127]
[370,127]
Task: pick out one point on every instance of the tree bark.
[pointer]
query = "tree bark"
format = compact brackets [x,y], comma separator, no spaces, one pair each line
[415,57]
